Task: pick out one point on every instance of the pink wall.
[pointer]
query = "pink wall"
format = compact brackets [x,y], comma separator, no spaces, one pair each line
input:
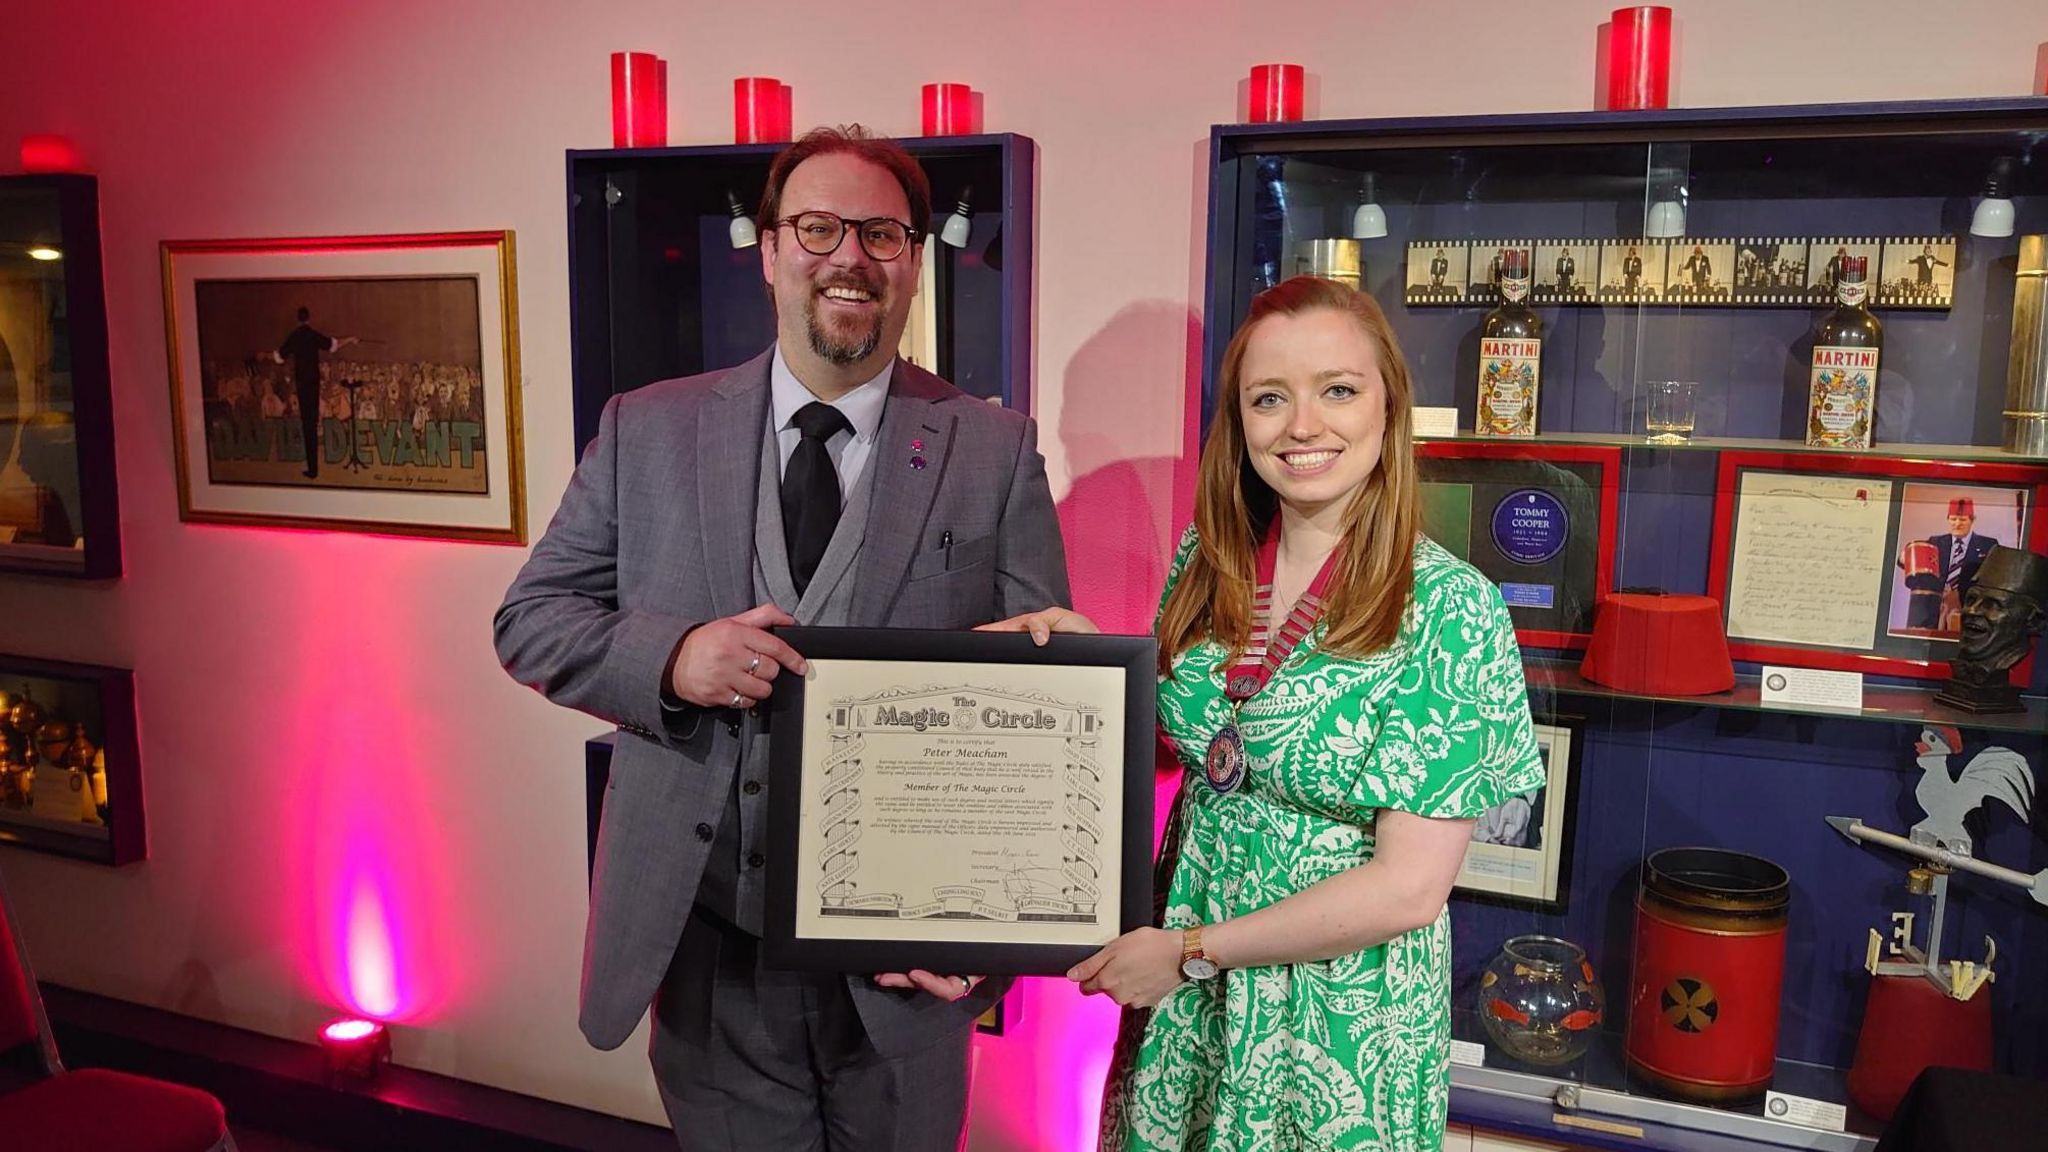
[335,765]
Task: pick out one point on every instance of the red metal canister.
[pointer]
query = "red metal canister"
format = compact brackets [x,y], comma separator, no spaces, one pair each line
[1709,966]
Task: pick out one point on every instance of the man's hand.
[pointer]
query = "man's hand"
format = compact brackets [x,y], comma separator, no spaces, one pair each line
[1043,623]
[732,662]
[948,988]
[1137,969]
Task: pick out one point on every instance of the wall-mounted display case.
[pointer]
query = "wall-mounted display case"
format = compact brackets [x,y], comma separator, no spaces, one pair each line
[1667,338]
[58,510]
[658,287]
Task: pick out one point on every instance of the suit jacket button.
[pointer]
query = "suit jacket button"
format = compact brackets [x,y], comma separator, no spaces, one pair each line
[755,859]
[732,727]
[751,787]
[704,832]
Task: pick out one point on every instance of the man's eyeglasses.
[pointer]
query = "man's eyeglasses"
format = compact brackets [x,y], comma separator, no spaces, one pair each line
[821,233]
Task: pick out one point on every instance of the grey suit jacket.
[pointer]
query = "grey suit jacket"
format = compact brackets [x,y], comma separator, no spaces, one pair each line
[655,535]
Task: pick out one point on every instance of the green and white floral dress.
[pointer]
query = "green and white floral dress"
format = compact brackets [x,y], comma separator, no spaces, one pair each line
[1349,1053]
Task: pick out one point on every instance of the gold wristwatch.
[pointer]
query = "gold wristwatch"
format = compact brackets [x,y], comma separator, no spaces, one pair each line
[1194,963]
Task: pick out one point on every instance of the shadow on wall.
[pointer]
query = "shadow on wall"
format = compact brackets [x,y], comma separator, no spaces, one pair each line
[1123,513]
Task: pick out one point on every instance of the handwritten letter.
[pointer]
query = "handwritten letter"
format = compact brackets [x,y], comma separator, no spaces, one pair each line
[1809,559]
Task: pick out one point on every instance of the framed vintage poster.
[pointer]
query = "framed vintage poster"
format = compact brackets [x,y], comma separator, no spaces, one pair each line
[1860,563]
[1521,848]
[58,511]
[1538,519]
[959,801]
[357,383]
[69,779]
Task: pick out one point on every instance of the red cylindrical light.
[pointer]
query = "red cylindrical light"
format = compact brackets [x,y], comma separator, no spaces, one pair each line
[47,152]
[760,110]
[948,110]
[1639,58]
[1276,92]
[639,100]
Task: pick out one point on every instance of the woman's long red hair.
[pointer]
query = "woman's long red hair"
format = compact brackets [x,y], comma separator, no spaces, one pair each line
[1370,589]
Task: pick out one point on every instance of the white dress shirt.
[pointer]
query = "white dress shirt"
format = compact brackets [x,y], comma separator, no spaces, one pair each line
[862,408]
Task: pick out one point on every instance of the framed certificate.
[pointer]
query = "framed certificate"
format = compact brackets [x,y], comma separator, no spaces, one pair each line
[1859,563]
[959,801]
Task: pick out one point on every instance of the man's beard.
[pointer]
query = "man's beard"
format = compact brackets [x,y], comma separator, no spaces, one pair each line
[834,349]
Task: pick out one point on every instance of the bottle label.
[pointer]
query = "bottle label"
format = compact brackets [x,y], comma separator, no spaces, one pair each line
[1852,292]
[1508,370]
[1843,397]
[1514,288]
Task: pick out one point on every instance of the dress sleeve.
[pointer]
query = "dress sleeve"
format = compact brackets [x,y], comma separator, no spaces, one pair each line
[1450,730]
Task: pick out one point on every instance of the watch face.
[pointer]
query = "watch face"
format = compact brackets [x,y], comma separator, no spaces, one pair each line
[1198,968]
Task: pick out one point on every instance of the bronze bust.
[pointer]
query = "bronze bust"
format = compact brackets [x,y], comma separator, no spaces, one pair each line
[2002,614]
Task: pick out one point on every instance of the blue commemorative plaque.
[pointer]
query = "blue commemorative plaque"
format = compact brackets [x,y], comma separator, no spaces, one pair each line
[1530,526]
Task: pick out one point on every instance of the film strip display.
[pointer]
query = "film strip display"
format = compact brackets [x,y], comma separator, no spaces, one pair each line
[1702,271]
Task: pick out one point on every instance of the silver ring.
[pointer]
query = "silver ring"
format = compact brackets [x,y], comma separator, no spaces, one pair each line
[753,664]
[736,700]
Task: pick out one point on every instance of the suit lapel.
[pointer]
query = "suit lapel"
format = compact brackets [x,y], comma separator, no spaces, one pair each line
[727,477]
[901,499]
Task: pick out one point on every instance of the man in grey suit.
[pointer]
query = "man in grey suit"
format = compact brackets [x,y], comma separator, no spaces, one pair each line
[823,482]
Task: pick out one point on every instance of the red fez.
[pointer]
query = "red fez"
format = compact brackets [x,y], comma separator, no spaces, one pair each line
[1962,506]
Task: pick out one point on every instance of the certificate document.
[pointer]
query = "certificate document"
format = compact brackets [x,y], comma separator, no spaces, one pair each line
[979,805]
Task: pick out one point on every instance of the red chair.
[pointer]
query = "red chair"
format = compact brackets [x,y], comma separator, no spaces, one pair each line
[90,1110]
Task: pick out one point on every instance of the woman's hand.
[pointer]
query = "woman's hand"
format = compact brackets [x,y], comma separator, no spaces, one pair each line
[1043,623]
[1137,969]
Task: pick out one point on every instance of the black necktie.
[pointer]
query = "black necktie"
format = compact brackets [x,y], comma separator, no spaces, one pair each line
[810,491]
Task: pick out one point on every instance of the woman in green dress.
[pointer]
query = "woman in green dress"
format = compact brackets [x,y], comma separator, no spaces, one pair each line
[1345,697]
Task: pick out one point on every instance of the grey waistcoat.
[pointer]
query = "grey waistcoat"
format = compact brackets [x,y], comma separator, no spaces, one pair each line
[733,888]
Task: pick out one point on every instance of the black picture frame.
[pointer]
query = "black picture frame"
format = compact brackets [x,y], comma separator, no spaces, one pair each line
[60,513]
[1136,656]
[102,700]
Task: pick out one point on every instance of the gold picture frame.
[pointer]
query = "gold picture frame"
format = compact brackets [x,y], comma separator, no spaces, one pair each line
[395,356]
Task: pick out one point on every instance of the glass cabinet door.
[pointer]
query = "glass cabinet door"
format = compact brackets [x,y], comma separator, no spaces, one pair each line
[1732,406]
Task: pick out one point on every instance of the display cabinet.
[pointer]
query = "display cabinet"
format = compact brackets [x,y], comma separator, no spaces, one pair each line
[662,283]
[59,514]
[1629,389]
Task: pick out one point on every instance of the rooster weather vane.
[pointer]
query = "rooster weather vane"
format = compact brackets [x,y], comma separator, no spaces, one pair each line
[1942,841]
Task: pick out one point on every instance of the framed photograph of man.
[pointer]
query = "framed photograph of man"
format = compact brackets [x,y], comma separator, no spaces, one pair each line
[1698,271]
[59,514]
[1769,270]
[1845,562]
[1436,271]
[1564,271]
[69,780]
[1918,272]
[1632,271]
[363,383]
[1945,531]
[1521,848]
[1824,263]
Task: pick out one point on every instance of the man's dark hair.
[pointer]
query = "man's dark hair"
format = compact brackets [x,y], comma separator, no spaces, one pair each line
[305,314]
[853,140]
